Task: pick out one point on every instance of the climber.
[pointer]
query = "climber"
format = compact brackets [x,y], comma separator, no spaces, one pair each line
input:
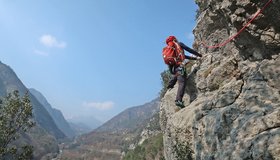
[175,58]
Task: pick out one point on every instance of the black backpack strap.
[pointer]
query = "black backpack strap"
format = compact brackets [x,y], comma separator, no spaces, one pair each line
[172,69]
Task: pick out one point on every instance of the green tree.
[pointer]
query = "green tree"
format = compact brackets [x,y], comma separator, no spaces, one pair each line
[15,119]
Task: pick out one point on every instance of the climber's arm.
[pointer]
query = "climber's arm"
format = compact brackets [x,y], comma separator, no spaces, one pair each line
[189,49]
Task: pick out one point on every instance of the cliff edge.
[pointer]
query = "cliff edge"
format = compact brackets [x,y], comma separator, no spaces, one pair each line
[236,110]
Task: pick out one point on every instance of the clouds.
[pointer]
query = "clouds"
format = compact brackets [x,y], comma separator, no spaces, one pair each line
[40,52]
[107,105]
[49,42]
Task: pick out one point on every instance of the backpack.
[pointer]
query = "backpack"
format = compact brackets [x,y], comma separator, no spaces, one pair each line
[169,55]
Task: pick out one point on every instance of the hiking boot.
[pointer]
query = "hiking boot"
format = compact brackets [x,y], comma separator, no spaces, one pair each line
[169,87]
[180,104]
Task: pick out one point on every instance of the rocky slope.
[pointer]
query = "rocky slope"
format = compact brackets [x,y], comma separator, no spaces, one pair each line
[148,143]
[236,113]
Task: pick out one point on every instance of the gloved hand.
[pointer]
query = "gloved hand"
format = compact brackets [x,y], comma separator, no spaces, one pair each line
[185,62]
[199,59]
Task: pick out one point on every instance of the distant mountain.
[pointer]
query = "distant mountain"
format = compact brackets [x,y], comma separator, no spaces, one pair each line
[80,128]
[90,121]
[56,114]
[131,118]
[117,136]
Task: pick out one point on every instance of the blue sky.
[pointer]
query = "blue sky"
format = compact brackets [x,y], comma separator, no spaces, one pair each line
[92,57]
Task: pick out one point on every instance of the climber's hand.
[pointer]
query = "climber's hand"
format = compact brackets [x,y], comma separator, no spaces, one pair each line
[184,62]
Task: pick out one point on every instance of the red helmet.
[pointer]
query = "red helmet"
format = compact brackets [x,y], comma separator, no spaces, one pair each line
[170,39]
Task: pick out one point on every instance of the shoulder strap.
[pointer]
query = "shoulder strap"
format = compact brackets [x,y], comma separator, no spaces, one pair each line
[180,51]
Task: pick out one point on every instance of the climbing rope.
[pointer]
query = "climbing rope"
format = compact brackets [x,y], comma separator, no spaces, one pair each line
[241,30]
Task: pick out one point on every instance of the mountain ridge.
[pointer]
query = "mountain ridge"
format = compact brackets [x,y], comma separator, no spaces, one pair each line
[10,82]
[56,114]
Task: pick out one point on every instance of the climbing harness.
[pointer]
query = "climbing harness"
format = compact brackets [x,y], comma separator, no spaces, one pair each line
[241,30]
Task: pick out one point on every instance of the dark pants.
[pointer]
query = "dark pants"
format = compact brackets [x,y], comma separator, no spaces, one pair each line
[182,84]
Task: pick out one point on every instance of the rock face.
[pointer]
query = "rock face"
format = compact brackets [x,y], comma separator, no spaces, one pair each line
[236,113]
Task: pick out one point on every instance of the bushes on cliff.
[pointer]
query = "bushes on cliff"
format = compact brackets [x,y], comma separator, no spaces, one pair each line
[182,151]
[150,149]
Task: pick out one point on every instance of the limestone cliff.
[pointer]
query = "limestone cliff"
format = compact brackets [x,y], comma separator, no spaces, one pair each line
[236,113]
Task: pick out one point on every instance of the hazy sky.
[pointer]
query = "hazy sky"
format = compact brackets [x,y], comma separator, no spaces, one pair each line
[92,57]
